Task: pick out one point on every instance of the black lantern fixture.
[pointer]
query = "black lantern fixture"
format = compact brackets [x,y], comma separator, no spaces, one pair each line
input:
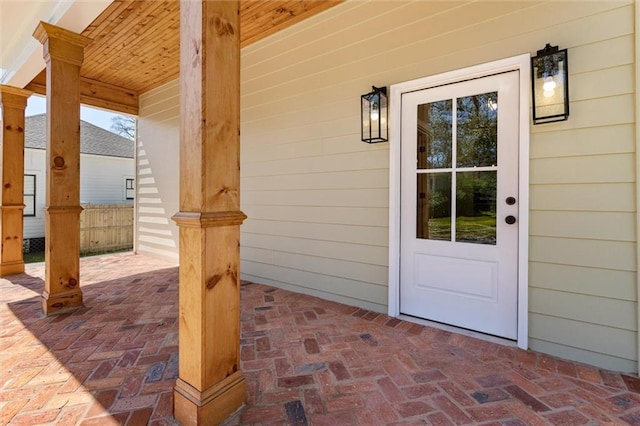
[550,85]
[375,115]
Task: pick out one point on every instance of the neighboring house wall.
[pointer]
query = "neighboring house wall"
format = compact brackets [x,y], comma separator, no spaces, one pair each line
[157,176]
[317,198]
[102,181]
[105,164]
[34,164]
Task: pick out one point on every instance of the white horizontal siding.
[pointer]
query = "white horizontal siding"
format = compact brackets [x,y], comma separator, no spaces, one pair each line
[335,288]
[365,235]
[580,341]
[337,250]
[158,172]
[321,197]
[583,234]
[613,226]
[587,356]
[332,266]
[604,283]
[606,168]
[354,179]
[603,311]
[356,216]
[607,197]
[617,255]
[583,142]
[369,159]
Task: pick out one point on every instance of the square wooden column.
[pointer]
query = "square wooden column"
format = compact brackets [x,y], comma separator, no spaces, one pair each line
[13,102]
[63,54]
[210,385]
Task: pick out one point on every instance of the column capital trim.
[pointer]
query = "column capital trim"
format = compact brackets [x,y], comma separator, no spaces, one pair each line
[209,219]
[13,97]
[45,31]
[61,44]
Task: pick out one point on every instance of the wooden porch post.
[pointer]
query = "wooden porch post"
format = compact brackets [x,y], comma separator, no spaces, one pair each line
[210,385]
[63,54]
[13,102]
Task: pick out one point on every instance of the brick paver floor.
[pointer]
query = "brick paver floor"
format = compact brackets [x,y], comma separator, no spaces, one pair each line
[306,361]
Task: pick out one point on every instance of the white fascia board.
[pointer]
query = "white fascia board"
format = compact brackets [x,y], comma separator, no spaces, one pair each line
[21,54]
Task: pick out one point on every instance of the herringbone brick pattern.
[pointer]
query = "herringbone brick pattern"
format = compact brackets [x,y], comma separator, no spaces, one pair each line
[112,362]
[306,361]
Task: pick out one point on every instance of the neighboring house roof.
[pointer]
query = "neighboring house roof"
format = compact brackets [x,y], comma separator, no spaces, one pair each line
[93,139]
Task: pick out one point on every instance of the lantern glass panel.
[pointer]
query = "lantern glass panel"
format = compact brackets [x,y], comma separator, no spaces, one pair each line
[366,121]
[374,115]
[383,128]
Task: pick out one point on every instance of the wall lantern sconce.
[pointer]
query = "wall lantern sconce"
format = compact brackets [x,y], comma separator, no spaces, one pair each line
[375,115]
[550,85]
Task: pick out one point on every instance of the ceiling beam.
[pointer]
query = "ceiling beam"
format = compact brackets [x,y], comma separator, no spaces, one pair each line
[95,93]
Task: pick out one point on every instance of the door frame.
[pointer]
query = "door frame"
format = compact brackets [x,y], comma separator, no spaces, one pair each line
[519,63]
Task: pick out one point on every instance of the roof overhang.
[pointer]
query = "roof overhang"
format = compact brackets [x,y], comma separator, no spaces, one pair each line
[135,44]
[20,53]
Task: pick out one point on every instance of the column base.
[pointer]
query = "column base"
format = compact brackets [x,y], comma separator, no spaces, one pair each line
[211,407]
[11,268]
[61,303]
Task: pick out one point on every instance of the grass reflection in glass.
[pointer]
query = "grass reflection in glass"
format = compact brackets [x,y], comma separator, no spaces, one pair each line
[476,207]
[478,229]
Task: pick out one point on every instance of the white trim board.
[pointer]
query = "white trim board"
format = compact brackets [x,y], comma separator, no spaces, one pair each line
[520,63]
[637,86]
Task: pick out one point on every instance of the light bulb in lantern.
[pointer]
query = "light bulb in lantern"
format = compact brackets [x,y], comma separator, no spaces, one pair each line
[549,84]
[374,114]
[548,87]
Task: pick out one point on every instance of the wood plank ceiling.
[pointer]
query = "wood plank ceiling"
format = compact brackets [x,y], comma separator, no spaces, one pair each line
[136,45]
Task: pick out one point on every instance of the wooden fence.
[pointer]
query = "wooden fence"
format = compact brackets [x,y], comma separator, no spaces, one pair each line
[106,227]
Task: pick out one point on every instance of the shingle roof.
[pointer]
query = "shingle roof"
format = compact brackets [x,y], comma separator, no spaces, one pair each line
[93,139]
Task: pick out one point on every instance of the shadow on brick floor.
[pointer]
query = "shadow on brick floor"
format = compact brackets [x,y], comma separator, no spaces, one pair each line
[306,361]
[114,361]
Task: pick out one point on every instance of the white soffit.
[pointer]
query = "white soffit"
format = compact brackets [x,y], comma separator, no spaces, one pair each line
[21,54]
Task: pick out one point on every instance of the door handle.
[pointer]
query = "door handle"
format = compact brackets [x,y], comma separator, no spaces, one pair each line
[510,220]
[510,201]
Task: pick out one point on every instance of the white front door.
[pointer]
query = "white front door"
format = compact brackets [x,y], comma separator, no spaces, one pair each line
[459,204]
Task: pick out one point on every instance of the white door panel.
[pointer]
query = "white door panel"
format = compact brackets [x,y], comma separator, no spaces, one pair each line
[459,167]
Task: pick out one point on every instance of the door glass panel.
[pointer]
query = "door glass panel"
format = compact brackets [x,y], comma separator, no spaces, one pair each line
[434,135]
[434,206]
[476,207]
[477,134]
